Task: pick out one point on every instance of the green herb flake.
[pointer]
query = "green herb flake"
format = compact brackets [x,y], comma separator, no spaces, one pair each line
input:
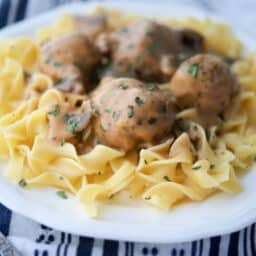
[71,126]
[145,161]
[139,101]
[123,86]
[47,61]
[99,173]
[147,198]
[130,46]
[138,60]
[229,60]
[122,30]
[151,87]
[108,109]
[111,196]
[139,121]
[185,127]
[62,194]
[57,64]
[55,112]
[23,183]
[168,94]
[152,120]
[66,117]
[197,167]
[212,166]
[131,111]
[164,109]
[166,178]
[111,93]
[62,142]
[61,178]
[149,31]
[193,69]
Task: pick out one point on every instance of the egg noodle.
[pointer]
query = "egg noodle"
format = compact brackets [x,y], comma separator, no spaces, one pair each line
[162,175]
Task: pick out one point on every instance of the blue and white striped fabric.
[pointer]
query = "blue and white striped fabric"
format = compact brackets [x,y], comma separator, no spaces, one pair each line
[33,239]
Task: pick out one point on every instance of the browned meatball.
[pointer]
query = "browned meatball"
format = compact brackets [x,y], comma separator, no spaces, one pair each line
[148,51]
[90,25]
[131,112]
[205,82]
[71,57]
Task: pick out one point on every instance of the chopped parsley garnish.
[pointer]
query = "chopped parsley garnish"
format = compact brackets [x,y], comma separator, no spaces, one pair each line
[139,101]
[57,64]
[131,111]
[197,167]
[193,69]
[123,86]
[62,142]
[151,87]
[47,61]
[183,126]
[149,32]
[111,196]
[147,198]
[152,120]
[229,60]
[55,112]
[122,30]
[164,109]
[130,46]
[23,183]
[212,166]
[99,173]
[195,128]
[139,121]
[155,46]
[108,109]
[61,178]
[116,115]
[166,178]
[145,161]
[72,124]
[66,117]
[62,194]
[111,93]
[168,94]
[138,60]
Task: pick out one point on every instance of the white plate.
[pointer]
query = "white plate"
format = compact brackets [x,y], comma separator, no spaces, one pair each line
[217,215]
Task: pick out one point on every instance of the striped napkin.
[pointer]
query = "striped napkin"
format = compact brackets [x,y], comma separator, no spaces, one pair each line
[22,236]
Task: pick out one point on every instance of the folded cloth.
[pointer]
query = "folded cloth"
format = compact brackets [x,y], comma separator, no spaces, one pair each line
[33,239]
[6,249]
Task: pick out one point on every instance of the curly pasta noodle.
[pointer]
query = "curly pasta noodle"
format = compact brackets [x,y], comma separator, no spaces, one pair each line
[162,175]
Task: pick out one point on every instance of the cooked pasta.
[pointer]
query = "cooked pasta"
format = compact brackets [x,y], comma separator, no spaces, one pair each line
[190,162]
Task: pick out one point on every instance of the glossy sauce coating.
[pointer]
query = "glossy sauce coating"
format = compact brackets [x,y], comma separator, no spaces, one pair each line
[70,57]
[205,82]
[131,112]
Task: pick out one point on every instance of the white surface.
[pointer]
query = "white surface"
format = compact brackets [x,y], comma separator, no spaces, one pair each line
[218,215]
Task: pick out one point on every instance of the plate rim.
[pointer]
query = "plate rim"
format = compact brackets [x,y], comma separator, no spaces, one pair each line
[247,217]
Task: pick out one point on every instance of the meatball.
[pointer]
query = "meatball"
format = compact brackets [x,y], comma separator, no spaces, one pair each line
[90,25]
[205,82]
[71,57]
[148,51]
[130,113]
[145,48]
